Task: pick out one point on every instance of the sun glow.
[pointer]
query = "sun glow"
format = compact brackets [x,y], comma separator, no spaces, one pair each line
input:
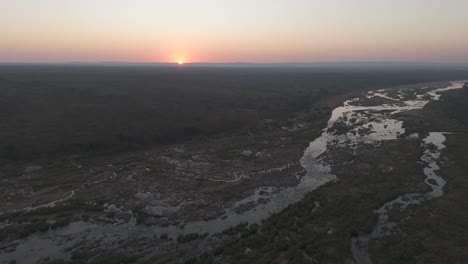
[180,62]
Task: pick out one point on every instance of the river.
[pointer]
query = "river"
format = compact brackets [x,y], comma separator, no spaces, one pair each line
[377,120]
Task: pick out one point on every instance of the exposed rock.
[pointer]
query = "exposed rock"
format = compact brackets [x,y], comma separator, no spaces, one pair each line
[143,196]
[32,168]
[247,153]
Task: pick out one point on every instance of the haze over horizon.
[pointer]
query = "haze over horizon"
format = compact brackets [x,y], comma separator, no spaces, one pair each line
[212,31]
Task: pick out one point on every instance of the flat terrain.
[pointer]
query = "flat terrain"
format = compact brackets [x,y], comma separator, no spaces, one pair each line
[54,110]
[433,231]
[161,164]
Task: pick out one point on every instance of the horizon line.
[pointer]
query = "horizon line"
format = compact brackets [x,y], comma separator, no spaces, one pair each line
[241,63]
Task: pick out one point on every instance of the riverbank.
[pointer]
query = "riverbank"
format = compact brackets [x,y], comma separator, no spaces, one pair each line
[173,204]
[436,231]
[155,196]
[369,176]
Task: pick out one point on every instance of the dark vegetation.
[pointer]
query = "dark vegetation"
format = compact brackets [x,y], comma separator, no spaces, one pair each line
[46,111]
[452,105]
[437,232]
[434,232]
[43,219]
[190,237]
[54,110]
[305,233]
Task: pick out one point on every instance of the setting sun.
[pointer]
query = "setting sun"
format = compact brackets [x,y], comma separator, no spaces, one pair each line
[242,131]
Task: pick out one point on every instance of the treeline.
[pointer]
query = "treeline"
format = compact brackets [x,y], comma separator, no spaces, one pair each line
[452,104]
[52,110]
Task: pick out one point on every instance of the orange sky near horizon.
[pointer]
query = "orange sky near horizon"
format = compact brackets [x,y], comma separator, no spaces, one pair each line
[233,31]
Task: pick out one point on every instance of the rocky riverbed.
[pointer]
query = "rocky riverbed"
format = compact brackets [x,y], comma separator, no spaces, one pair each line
[156,201]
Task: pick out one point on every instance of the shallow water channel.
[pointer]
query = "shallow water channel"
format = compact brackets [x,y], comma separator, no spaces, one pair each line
[377,120]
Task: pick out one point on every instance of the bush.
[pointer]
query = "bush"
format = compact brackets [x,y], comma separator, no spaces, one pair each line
[190,237]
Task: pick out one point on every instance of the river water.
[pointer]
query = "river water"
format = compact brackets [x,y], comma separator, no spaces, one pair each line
[432,145]
[377,120]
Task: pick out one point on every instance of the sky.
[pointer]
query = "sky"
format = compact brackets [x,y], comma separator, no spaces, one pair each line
[263,31]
